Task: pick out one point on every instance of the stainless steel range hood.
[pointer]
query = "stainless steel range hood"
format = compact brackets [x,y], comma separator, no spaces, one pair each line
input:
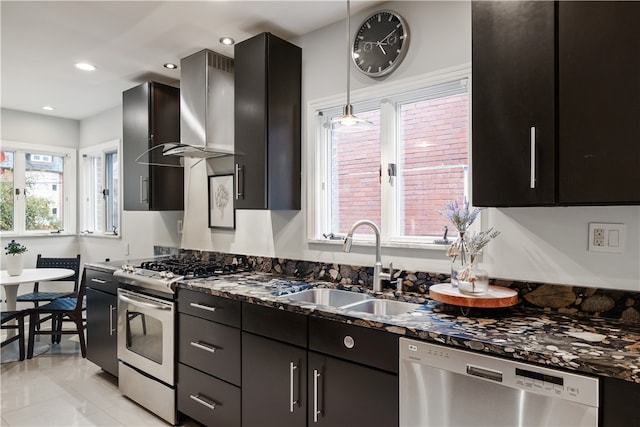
[206,107]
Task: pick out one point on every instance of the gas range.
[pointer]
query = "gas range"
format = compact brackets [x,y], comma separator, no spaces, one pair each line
[162,275]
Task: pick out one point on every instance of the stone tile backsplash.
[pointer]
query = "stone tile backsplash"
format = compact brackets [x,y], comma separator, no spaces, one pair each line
[573,300]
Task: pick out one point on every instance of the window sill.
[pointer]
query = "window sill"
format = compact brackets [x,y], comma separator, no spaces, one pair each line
[398,245]
[101,236]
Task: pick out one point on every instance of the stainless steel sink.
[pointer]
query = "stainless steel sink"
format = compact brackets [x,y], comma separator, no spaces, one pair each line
[382,307]
[327,297]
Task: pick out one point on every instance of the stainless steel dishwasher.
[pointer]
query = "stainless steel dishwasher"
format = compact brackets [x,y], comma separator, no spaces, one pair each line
[443,386]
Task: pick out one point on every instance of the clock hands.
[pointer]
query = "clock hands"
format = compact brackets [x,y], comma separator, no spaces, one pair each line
[385,42]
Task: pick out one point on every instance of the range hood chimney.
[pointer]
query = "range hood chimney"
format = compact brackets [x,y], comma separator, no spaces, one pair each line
[206,106]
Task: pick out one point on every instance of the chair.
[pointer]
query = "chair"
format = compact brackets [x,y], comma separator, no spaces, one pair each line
[60,309]
[8,316]
[36,297]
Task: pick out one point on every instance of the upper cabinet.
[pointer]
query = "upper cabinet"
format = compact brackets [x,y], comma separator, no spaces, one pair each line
[599,102]
[267,123]
[556,89]
[151,117]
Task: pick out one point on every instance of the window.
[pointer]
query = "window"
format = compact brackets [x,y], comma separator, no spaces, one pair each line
[37,189]
[100,189]
[402,172]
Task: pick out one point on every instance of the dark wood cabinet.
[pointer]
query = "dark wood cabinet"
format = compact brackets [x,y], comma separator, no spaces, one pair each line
[556,90]
[599,102]
[102,320]
[151,117]
[274,383]
[274,367]
[209,358]
[267,123]
[352,375]
[618,403]
[513,83]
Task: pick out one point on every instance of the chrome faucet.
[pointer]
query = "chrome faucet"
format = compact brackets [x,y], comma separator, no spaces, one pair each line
[378,274]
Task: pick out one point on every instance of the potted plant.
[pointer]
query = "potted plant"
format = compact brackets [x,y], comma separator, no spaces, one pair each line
[14,251]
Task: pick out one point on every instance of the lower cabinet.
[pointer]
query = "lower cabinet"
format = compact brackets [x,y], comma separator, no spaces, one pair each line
[274,383]
[209,357]
[619,403]
[102,320]
[343,393]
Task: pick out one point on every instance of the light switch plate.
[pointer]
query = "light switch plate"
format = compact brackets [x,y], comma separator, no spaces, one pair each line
[606,237]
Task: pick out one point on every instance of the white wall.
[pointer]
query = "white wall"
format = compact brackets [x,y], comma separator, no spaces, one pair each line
[536,244]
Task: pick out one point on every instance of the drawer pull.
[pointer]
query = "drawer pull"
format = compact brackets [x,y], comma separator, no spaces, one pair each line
[203,306]
[112,308]
[206,347]
[203,402]
[532,167]
[102,282]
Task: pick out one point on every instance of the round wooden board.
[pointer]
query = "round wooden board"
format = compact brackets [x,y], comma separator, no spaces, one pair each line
[496,297]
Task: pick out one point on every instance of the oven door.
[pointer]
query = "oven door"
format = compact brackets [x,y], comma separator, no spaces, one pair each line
[146,334]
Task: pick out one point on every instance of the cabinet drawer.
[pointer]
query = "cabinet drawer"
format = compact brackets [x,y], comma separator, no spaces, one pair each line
[273,323]
[209,347]
[101,281]
[207,399]
[221,310]
[371,347]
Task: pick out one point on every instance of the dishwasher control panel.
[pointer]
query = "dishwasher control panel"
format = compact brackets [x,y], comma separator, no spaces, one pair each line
[505,372]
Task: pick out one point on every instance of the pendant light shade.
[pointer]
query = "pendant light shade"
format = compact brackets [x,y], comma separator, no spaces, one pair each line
[348,122]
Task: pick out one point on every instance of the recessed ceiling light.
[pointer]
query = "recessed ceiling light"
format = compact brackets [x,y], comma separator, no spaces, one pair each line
[227,41]
[170,66]
[47,107]
[85,67]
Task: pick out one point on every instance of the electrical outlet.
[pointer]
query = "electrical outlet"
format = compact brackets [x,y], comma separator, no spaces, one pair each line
[126,249]
[179,226]
[604,237]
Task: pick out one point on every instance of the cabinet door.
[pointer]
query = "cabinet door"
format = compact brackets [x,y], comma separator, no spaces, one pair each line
[267,123]
[347,394]
[513,48]
[150,117]
[102,330]
[599,102]
[273,383]
[619,403]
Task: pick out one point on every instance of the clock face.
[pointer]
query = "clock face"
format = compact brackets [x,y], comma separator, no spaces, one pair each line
[380,43]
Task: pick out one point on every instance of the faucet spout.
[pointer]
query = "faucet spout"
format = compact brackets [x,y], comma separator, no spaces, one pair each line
[377,267]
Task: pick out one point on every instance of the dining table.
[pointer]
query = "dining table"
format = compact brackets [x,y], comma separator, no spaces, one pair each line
[11,284]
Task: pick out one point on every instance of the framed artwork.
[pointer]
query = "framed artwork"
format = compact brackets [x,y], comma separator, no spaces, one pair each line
[221,202]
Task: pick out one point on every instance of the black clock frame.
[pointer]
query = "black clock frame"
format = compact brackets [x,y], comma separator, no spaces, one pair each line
[381,54]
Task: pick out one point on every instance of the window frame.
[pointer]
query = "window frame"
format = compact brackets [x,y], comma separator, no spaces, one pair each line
[101,149]
[69,189]
[386,96]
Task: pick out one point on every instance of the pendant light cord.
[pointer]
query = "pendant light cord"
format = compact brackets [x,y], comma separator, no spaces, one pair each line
[348,55]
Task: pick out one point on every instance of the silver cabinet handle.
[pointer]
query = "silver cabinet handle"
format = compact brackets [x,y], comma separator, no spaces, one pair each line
[532,179]
[203,402]
[111,309]
[204,346]
[239,169]
[203,306]
[93,279]
[144,199]
[292,401]
[316,375]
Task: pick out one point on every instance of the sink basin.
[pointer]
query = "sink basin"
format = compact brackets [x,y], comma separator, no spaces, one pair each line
[383,307]
[327,297]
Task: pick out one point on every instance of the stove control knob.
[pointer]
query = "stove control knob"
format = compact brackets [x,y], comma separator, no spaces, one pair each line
[169,275]
[163,274]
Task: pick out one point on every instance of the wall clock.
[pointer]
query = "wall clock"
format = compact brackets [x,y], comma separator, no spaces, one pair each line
[380,43]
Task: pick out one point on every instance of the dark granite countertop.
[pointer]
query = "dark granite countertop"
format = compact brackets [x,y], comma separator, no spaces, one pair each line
[588,345]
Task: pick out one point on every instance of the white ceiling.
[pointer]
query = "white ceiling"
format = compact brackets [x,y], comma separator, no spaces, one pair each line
[128,42]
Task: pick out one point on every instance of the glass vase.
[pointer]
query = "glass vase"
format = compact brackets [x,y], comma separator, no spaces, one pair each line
[472,280]
[459,258]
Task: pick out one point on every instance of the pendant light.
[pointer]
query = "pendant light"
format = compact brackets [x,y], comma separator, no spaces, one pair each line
[348,122]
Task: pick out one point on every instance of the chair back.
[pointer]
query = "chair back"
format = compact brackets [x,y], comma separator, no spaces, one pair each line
[82,291]
[70,263]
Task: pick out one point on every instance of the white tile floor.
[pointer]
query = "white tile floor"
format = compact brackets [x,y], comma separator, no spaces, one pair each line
[60,388]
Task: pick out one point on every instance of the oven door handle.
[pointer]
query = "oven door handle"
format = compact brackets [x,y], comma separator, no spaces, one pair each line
[133,300]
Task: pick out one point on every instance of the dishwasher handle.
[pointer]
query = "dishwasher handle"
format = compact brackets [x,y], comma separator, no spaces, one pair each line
[486,373]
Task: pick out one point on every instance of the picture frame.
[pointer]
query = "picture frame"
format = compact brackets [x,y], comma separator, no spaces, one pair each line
[222,212]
